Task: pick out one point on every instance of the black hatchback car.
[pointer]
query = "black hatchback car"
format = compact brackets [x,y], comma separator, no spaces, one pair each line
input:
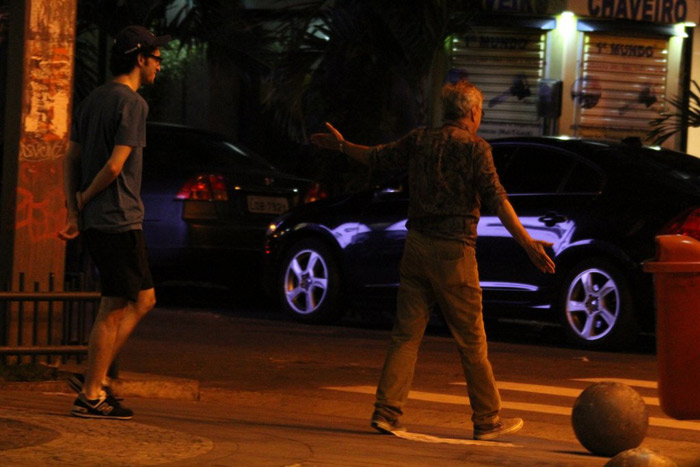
[208,202]
[601,204]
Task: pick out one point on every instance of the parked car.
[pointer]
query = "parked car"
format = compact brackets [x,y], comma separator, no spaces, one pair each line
[208,202]
[600,203]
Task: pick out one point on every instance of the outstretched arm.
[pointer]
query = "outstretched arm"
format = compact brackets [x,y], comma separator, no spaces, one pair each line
[535,249]
[335,142]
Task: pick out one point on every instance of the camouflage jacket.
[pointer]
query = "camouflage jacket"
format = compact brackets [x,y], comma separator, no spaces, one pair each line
[450,177]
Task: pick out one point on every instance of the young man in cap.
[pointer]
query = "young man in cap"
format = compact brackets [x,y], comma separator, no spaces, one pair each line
[102,183]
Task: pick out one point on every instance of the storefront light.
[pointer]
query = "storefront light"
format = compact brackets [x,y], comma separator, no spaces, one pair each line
[566,24]
[679,30]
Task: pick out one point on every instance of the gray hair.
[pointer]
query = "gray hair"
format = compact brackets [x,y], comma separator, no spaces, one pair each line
[459,98]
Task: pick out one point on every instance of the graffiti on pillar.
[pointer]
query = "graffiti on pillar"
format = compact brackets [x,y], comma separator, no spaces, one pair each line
[48,69]
[34,216]
[46,93]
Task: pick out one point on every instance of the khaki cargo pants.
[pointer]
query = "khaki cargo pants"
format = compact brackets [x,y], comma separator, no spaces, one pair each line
[443,272]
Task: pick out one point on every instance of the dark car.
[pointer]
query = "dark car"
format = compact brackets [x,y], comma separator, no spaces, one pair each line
[208,202]
[601,204]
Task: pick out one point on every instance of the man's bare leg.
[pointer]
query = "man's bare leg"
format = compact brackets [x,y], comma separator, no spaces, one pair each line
[134,313]
[103,338]
[114,324]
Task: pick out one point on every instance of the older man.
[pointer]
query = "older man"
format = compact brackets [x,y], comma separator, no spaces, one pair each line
[451,175]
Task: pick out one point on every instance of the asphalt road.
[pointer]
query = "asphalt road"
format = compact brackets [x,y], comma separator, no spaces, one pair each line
[275,392]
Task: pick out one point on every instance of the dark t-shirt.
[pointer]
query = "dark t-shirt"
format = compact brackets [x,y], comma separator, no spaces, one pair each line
[111,115]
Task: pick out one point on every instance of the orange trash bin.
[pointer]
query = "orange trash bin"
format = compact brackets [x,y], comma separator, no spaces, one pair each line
[677,288]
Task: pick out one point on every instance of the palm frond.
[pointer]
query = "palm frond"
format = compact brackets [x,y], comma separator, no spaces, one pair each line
[679,118]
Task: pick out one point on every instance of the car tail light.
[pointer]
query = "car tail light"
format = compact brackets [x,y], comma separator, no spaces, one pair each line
[315,193]
[687,223]
[204,188]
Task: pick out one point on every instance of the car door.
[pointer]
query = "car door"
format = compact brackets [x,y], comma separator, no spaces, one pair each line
[550,190]
[164,172]
[376,248]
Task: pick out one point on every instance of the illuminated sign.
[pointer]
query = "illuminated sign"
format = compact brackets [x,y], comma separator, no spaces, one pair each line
[515,6]
[497,42]
[654,11]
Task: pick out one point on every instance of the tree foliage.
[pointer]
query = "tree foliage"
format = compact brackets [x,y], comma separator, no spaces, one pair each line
[230,32]
[364,65]
[678,118]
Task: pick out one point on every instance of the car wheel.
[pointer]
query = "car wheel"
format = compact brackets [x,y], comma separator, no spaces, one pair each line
[597,309]
[309,283]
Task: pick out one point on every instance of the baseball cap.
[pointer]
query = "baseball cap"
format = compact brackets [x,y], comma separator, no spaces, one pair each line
[132,38]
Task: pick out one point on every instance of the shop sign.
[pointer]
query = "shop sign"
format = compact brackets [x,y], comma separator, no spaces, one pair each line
[552,7]
[654,11]
[504,130]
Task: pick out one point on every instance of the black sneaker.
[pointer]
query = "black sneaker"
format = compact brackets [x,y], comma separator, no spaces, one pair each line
[106,407]
[503,427]
[385,422]
[76,381]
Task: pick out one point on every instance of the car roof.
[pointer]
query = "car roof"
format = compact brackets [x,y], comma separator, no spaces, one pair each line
[566,142]
[628,151]
[628,158]
[177,128]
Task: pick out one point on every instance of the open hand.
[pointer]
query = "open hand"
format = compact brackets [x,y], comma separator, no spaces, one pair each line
[71,230]
[539,257]
[332,140]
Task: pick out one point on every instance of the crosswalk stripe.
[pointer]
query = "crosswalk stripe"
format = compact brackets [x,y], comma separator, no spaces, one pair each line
[423,438]
[550,390]
[629,382]
[524,406]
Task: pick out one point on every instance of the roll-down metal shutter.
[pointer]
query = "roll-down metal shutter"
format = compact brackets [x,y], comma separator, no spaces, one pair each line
[507,65]
[621,85]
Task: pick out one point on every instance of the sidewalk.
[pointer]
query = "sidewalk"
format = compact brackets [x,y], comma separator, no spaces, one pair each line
[229,429]
[221,389]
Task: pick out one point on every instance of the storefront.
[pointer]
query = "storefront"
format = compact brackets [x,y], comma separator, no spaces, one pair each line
[585,68]
[508,66]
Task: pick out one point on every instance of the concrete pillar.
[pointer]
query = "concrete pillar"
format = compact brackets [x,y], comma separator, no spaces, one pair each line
[36,134]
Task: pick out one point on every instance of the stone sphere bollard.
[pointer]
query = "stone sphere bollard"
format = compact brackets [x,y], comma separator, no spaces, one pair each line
[640,457]
[609,418]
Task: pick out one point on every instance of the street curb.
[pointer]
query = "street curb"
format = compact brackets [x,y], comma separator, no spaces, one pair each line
[155,386]
[127,385]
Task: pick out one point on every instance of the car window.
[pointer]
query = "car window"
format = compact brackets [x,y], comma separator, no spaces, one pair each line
[229,155]
[165,155]
[531,169]
[682,169]
[182,152]
[583,179]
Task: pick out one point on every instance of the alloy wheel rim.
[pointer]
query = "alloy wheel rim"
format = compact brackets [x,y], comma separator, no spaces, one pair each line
[592,304]
[306,282]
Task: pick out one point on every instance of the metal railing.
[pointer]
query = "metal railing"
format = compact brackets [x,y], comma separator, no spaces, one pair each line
[46,325]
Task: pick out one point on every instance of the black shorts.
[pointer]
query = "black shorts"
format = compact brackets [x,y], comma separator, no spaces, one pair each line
[122,262]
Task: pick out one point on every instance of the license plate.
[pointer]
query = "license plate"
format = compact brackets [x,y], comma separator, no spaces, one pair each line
[267,205]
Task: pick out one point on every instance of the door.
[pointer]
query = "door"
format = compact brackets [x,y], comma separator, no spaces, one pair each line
[550,190]
[378,245]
